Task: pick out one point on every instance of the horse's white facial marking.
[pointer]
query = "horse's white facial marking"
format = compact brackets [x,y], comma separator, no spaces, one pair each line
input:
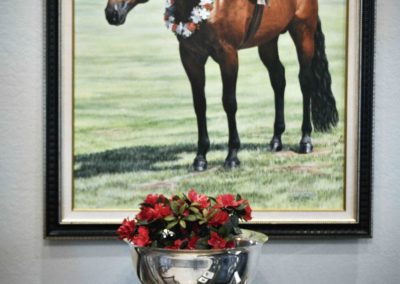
[116,7]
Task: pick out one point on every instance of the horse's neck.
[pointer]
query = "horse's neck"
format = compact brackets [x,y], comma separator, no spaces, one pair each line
[184,9]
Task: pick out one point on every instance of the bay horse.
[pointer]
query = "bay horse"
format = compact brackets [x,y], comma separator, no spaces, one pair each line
[227,30]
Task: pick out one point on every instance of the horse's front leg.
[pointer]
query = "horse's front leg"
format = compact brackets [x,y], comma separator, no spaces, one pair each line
[228,62]
[193,64]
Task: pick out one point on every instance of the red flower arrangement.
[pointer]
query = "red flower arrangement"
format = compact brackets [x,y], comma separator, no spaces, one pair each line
[192,221]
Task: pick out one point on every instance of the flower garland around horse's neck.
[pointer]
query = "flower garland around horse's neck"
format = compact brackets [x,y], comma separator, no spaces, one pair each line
[199,14]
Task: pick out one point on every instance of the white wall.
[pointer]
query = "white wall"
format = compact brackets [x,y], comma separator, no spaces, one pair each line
[26,258]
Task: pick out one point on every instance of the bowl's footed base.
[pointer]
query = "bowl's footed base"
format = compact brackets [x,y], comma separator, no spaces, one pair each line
[231,266]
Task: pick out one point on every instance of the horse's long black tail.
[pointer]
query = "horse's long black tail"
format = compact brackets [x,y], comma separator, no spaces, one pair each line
[323,105]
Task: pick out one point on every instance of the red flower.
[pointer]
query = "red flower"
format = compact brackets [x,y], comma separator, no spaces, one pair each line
[208,7]
[192,242]
[152,199]
[216,242]
[142,238]
[158,212]
[146,213]
[177,244]
[127,229]
[220,218]
[191,27]
[174,27]
[230,244]
[161,211]
[227,200]
[247,212]
[202,199]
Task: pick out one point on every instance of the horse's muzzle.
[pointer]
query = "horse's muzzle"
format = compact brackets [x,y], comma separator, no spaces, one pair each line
[116,15]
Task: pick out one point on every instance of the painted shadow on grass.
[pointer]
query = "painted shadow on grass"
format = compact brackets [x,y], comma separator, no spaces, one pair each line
[141,158]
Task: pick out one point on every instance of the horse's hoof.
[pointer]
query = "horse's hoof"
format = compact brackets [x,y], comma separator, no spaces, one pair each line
[231,163]
[199,164]
[275,145]
[305,148]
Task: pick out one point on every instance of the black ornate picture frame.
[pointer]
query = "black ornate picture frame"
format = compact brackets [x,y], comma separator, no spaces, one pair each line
[56,228]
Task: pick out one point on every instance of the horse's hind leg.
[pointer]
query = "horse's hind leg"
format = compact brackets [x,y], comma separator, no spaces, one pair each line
[194,67]
[302,33]
[270,57]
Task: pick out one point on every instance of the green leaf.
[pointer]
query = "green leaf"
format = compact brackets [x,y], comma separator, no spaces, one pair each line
[223,231]
[237,230]
[205,212]
[202,243]
[145,204]
[172,224]
[213,229]
[241,207]
[234,220]
[212,198]
[194,209]
[170,218]
[182,223]
[190,218]
[182,196]
[226,229]
[212,214]
[184,244]
[174,207]
[238,197]
[182,209]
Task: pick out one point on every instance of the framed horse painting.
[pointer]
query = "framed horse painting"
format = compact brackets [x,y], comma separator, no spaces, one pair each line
[271,99]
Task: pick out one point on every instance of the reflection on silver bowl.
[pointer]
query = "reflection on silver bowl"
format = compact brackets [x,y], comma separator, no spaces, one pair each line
[227,266]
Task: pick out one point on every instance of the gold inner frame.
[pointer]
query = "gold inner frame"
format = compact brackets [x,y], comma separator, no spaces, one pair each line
[259,221]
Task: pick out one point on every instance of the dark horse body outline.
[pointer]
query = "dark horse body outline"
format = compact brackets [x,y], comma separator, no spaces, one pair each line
[224,34]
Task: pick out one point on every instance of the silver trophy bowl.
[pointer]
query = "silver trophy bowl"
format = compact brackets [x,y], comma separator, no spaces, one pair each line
[225,266]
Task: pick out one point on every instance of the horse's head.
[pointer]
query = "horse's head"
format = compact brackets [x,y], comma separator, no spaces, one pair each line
[117,10]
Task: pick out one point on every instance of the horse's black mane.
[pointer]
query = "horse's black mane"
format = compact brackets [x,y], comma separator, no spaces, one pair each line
[184,9]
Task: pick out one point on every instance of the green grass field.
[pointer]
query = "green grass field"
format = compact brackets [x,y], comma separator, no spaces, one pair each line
[135,129]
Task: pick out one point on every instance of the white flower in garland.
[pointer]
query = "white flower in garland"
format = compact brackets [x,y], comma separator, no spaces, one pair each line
[186,32]
[169,20]
[196,15]
[180,28]
[205,2]
[200,13]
